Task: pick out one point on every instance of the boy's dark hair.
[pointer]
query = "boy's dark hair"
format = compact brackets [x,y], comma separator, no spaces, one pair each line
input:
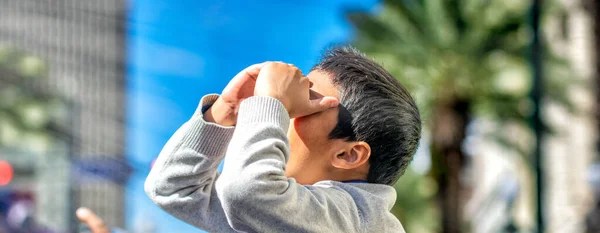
[374,108]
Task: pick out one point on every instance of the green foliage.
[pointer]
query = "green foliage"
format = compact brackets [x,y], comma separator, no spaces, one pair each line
[474,50]
[27,112]
[21,64]
[471,49]
[414,203]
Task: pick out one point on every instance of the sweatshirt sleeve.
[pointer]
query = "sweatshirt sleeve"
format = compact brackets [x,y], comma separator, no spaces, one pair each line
[255,193]
[182,180]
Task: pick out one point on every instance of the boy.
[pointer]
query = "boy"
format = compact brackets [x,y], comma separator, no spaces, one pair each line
[304,154]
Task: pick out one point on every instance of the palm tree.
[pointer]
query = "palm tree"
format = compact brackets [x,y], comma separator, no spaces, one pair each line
[461,59]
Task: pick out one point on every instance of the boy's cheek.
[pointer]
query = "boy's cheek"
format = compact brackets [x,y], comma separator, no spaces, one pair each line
[308,128]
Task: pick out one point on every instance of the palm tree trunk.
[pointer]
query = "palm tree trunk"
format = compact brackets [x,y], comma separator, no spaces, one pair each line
[449,131]
[594,7]
[593,220]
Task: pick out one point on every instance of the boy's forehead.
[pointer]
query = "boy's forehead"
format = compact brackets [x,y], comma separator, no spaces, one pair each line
[322,83]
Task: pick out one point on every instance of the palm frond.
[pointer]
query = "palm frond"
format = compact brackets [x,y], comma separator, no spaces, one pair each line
[412,10]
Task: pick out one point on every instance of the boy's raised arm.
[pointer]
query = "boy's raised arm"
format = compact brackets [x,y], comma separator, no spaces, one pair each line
[255,193]
[182,181]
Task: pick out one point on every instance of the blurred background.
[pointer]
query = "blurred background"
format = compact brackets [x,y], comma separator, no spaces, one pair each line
[90,90]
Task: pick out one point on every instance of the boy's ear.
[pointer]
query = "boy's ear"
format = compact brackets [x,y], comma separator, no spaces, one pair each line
[353,156]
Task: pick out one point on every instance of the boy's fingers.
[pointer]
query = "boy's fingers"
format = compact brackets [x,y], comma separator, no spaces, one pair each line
[94,222]
[251,71]
[322,104]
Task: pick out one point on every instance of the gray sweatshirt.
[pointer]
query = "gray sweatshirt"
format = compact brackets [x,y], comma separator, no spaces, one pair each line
[252,194]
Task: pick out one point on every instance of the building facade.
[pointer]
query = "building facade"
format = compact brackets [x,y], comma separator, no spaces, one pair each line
[82,42]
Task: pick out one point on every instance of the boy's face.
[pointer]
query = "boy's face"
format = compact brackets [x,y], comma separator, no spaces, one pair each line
[311,149]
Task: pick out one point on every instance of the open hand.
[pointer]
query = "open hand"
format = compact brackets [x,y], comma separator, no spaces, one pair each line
[286,83]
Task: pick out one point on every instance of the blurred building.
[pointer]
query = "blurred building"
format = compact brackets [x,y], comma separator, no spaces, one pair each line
[82,42]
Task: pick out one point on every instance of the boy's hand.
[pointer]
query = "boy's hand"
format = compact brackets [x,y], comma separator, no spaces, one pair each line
[224,110]
[94,222]
[286,83]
